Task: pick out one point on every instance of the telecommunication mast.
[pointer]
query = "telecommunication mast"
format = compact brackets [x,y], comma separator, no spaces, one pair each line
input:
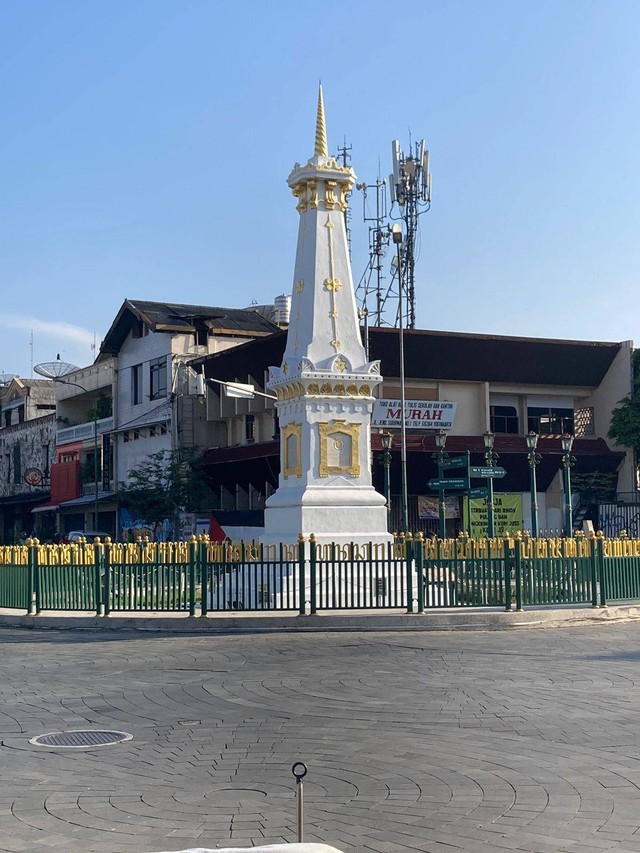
[410,196]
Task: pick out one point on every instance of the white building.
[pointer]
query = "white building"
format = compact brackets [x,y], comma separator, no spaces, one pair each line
[144,396]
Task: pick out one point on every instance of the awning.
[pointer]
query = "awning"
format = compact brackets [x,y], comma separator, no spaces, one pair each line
[30,498]
[45,508]
[85,500]
[161,414]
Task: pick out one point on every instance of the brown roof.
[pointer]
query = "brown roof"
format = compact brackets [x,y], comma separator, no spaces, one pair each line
[177,317]
[446,356]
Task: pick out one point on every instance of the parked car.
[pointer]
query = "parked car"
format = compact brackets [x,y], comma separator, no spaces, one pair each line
[89,535]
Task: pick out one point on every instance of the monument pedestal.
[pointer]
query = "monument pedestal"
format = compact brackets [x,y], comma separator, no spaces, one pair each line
[333,512]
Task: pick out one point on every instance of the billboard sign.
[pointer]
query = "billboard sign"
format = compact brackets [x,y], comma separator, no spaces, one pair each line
[429,507]
[418,414]
[507,514]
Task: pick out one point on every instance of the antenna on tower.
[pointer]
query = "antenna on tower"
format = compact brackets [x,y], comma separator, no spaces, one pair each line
[410,194]
[344,156]
[410,185]
[370,286]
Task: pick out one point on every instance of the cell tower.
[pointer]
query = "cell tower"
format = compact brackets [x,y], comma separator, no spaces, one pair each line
[410,192]
[410,188]
[370,289]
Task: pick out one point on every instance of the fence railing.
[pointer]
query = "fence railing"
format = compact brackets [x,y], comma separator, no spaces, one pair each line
[200,577]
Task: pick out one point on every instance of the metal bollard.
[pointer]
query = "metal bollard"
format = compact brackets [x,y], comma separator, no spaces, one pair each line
[299,770]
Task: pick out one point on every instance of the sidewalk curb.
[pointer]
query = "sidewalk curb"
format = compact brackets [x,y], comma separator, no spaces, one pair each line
[460,620]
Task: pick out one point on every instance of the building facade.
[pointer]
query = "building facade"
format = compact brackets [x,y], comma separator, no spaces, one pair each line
[138,399]
[27,449]
[509,386]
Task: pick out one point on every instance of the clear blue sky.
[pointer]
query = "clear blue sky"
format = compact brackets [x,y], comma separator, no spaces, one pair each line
[145,144]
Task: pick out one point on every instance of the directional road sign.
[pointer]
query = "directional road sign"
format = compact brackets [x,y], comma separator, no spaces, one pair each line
[482,492]
[449,483]
[492,473]
[455,462]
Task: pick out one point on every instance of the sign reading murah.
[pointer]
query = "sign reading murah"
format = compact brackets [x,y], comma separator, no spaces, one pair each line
[418,414]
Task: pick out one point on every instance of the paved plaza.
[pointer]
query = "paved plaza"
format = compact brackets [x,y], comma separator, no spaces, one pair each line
[522,740]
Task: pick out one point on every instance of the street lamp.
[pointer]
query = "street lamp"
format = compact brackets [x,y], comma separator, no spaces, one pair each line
[387,443]
[534,459]
[567,463]
[396,234]
[440,456]
[490,459]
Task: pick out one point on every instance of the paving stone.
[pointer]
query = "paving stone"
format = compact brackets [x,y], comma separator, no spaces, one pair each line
[415,742]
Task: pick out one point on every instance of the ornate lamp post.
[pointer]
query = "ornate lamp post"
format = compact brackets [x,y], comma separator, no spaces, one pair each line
[490,458]
[534,460]
[439,456]
[387,443]
[568,461]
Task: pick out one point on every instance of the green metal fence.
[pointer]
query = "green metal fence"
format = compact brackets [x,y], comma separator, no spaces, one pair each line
[620,568]
[416,575]
[251,576]
[358,577]
[65,587]
[14,587]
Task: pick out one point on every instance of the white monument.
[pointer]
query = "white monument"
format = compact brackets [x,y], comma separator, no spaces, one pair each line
[324,385]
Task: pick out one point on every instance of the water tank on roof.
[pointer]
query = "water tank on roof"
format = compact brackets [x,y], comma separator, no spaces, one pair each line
[282,310]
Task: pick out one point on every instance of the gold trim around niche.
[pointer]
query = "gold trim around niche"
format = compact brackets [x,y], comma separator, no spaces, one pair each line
[326,431]
[289,470]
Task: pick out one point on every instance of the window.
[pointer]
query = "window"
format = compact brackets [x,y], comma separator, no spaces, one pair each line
[136,384]
[21,414]
[249,428]
[163,429]
[550,421]
[152,432]
[7,418]
[125,436]
[202,337]
[17,464]
[45,448]
[503,419]
[7,459]
[136,434]
[158,378]
[139,330]
[584,421]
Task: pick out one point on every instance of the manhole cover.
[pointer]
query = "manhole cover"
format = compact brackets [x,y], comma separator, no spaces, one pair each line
[80,738]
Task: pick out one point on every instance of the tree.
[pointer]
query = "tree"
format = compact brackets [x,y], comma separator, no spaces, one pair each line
[625,418]
[164,485]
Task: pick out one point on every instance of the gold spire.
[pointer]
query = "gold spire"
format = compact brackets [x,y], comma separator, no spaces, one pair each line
[321,131]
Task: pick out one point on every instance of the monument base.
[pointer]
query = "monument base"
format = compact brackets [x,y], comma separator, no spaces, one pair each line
[340,515]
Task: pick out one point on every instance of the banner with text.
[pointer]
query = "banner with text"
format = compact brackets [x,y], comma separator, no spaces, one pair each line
[418,414]
[507,515]
[428,507]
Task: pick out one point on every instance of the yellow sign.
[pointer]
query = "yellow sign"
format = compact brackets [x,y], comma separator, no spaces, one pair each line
[507,515]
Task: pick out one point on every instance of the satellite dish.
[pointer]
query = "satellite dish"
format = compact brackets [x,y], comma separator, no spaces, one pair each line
[54,369]
[5,378]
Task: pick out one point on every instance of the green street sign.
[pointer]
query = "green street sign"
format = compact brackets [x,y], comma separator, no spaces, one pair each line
[488,473]
[481,492]
[449,483]
[455,462]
